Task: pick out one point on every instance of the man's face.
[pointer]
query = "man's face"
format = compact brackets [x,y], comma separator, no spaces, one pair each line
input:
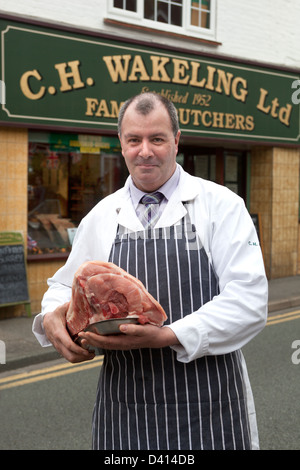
[149,147]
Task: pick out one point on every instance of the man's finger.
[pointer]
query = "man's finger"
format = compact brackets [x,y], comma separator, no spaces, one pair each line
[134,330]
[75,353]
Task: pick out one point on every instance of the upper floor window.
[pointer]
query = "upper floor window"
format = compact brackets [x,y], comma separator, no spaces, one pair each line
[189,17]
[129,5]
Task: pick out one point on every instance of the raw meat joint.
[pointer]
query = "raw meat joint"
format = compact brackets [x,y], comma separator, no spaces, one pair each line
[102,291]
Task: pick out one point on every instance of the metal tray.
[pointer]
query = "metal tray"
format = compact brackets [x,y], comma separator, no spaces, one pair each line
[110,327]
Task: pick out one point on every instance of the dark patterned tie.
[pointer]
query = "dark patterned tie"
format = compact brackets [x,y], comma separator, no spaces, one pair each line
[151,202]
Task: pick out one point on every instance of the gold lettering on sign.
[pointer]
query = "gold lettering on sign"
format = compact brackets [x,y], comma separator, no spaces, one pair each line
[91,104]
[261,104]
[138,67]
[117,69]
[180,68]
[210,78]
[25,87]
[72,74]
[159,73]
[206,122]
[180,71]
[250,123]
[225,80]
[198,118]
[194,76]
[239,89]
[167,93]
[101,108]
[194,117]
[273,109]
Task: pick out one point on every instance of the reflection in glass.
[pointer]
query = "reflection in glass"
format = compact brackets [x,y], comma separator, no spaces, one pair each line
[63,186]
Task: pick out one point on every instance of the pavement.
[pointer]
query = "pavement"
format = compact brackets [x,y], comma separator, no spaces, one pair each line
[19,347]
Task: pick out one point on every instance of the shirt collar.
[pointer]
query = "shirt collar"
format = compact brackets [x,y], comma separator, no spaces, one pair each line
[167,188]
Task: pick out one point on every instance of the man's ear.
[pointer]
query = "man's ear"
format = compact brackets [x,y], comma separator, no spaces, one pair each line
[119,135]
[177,138]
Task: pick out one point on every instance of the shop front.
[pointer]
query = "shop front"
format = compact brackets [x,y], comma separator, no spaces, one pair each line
[67,175]
[61,93]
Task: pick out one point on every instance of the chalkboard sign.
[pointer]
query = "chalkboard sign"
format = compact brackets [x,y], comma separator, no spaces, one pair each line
[13,274]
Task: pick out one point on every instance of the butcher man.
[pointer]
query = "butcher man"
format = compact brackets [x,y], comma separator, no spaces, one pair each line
[182,386]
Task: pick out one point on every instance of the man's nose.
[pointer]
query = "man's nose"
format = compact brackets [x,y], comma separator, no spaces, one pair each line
[145,149]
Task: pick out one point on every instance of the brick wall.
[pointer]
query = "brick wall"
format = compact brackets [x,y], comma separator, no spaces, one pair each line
[13,179]
[13,212]
[38,273]
[285,212]
[13,189]
[275,195]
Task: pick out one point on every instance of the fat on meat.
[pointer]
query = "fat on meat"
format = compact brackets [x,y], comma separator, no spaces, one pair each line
[102,290]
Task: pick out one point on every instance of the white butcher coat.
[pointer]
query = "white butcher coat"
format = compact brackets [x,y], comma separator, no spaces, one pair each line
[232,318]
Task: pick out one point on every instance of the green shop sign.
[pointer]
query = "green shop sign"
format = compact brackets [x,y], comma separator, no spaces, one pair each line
[61,79]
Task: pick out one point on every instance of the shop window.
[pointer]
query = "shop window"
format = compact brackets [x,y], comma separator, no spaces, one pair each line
[67,176]
[205,166]
[169,12]
[128,5]
[201,165]
[231,172]
[224,167]
[189,17]
[235,172]
[200,13]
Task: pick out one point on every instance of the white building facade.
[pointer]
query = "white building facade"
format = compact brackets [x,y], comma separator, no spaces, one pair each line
[265,31]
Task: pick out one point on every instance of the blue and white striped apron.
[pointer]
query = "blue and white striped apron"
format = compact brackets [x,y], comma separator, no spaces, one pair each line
[146,399]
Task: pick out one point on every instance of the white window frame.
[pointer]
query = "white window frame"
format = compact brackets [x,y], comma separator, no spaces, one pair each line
[137,18]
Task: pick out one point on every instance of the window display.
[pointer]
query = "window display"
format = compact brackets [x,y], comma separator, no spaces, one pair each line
[67,176]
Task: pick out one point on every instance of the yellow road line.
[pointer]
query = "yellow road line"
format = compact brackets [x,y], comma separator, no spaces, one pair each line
[48,369]
[47,373]
[68,368]
[283,317]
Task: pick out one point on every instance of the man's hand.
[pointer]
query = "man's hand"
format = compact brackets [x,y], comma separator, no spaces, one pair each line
[56,332]
[133,337]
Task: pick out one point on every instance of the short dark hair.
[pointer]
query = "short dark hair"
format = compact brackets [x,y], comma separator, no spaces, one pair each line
[145,103]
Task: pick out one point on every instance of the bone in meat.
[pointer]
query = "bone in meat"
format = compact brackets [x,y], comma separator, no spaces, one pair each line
[102,290]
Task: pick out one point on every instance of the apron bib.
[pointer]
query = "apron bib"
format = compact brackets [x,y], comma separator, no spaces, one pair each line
[146,399]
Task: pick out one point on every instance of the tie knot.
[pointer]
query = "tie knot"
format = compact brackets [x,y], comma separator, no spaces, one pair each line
[152,198]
